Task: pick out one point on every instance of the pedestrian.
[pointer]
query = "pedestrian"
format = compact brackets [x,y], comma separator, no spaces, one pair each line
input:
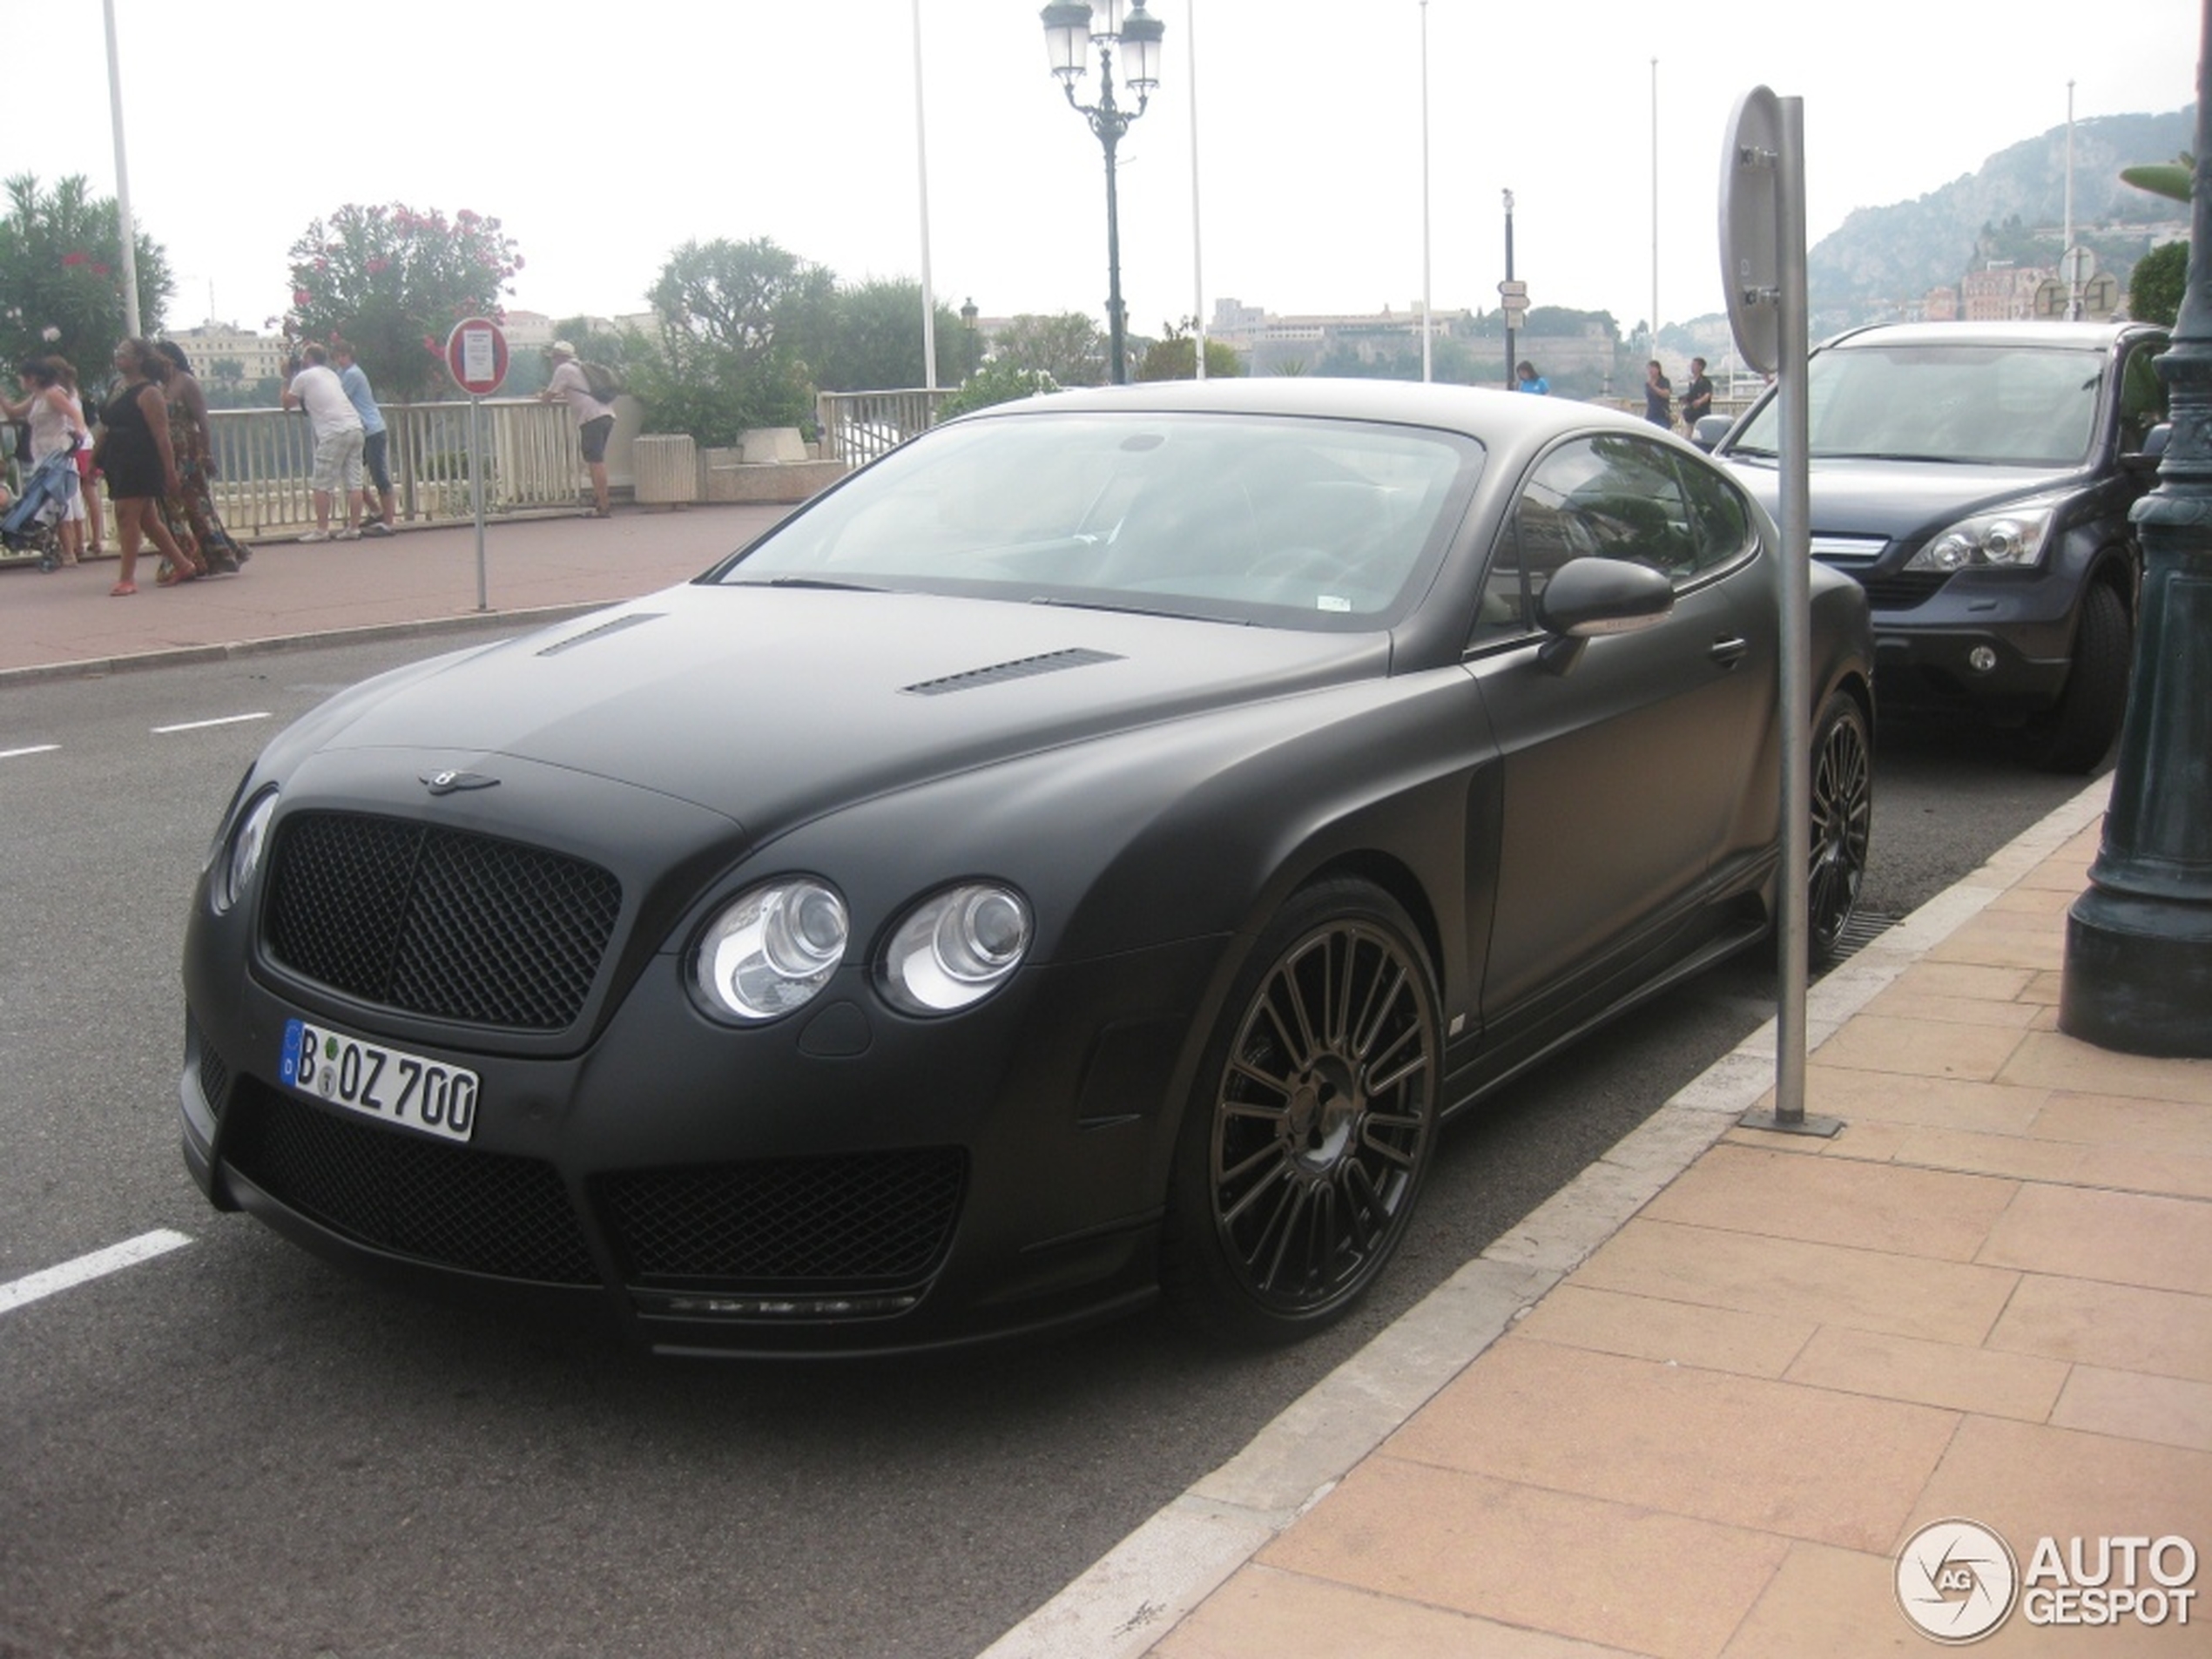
[57,428]
[134,452]
[1526,379]
[1658,395]
[1697,396]
[192,511]
[337,441]
[594,420]
[376,467]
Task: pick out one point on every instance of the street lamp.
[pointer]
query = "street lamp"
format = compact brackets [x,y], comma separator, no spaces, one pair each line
[1071,28]
[968,321]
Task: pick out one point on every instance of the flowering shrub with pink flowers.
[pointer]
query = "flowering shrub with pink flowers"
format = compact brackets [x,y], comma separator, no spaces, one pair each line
[61,279]
[392,281]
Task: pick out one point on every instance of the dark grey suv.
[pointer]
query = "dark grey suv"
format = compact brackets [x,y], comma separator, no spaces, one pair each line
[1975,479]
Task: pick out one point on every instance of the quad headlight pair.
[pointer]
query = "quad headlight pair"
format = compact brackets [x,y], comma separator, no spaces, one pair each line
[774,947]
[2012,539]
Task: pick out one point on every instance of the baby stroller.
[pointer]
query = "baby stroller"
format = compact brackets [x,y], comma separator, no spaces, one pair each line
[29,527]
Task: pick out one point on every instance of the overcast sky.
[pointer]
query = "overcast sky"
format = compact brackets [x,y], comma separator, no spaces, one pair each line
[605,137]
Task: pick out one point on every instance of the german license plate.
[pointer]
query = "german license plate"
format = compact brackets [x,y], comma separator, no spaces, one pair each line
[409,1090]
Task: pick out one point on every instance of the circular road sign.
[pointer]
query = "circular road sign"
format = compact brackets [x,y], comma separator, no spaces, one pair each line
[476,357]
[1750,227]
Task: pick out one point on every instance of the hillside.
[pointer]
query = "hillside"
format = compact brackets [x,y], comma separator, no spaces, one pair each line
[1881,260]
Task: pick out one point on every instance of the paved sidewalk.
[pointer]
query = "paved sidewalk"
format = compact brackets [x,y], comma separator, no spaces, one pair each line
[1697,1404]
[62,623]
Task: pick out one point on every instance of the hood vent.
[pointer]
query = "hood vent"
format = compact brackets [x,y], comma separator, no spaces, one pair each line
[1021,667]
[604,629]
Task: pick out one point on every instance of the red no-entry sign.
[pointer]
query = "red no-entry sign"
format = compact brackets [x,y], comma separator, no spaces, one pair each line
[476,355]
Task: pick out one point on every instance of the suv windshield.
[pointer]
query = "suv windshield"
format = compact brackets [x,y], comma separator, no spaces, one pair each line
[1994,405]
[1286,523]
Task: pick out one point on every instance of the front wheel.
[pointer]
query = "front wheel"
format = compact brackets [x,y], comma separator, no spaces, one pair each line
[1310,1127]
[1843,812]
[2077,733]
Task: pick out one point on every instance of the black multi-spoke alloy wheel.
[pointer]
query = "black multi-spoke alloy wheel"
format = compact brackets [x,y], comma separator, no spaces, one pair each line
[1305,1145]
[1843,812]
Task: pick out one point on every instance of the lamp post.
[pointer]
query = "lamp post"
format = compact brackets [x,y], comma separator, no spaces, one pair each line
[1505,292]
[968,321]
[1071,29]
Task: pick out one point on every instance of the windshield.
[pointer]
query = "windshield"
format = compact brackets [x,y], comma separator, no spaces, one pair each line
[1293,523]
[2006,406]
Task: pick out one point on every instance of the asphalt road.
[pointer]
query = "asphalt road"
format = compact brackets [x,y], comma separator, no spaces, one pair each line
[230,1448]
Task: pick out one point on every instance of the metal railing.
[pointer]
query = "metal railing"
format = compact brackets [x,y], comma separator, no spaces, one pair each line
[264,459]
[857,426]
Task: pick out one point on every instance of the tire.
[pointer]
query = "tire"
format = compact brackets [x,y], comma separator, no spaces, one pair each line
[1312,1125]
[1842,765]
[2079,731]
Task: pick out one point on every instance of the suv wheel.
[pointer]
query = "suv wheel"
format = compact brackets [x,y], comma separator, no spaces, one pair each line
[2079,730]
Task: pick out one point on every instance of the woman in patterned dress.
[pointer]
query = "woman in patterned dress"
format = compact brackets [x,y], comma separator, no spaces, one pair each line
[192,511]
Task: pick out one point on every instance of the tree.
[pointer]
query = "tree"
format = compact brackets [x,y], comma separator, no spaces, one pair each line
[1070,347]
[61,289]
[1175,356]
[874,339]
[738,325]
[2155,287]
[999,380]
[394,282]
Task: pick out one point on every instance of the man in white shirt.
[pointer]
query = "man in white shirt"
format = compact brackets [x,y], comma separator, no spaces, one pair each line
[594,420]
[337,441]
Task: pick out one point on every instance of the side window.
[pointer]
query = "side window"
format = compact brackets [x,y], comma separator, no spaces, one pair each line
[1612,496]
[2142,398]
[1723,526]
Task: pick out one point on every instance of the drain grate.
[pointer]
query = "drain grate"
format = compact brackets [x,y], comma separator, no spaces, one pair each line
[1863,929]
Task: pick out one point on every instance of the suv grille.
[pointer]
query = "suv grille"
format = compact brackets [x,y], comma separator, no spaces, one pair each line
[868,1219]
[439,922]
[486,1212]
[1903,591]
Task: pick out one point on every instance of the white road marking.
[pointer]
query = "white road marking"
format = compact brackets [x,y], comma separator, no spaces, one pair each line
[115,1258]
[35,749]
[201,725]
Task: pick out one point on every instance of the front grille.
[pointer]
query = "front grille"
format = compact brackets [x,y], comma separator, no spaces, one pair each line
[440,922]
[870,1220]
[1903,591]
[214,1074]
[486,1212]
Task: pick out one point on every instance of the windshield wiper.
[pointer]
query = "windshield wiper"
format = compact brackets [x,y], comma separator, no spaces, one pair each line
[1127,609]
[1883,454]
[822,582]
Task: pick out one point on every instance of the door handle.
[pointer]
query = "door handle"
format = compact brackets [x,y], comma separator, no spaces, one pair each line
[1729,650]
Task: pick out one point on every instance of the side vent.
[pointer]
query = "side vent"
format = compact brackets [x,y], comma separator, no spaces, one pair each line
[1020,668]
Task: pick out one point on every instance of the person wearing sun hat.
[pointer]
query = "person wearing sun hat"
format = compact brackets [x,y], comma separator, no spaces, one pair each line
[594,420]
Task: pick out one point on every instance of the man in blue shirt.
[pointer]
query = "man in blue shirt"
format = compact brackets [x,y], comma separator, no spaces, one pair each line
[375,464]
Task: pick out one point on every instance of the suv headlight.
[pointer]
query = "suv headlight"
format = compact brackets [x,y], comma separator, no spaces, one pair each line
[771,950]
[956,947]
[2011,539]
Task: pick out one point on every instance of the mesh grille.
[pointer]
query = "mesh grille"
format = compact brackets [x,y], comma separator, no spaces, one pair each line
[439,922]
[1903,591]
[817,1222]
[214,1075]
[483,1211]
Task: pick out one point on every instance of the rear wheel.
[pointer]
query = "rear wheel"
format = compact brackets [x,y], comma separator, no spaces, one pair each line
[1843,813]
[1304,1146]
[2079,730]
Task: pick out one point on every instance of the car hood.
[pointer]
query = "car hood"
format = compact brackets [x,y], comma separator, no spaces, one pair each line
[1896,499]
[769,705]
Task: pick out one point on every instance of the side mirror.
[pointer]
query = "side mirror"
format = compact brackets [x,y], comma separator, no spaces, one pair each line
[2153,450]
[1587,598]
[1709,430]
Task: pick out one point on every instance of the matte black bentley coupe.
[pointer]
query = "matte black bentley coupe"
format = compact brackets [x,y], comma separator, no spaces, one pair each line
[1084,854]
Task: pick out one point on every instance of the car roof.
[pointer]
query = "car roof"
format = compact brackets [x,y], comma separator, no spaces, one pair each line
[2064,336]
[1496,417]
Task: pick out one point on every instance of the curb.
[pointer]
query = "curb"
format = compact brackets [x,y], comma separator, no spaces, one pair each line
[1140,1589]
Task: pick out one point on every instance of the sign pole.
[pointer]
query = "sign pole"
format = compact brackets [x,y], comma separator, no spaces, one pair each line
[477,358]
[476,495]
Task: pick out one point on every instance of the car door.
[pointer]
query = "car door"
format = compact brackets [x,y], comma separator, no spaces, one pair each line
[1620,777]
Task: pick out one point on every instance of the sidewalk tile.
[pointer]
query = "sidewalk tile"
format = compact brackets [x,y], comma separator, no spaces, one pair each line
[1738,1451]
[1931,1373]
[2012,1156]
[2127,1404]
[1265,1614]
[1869,1206]
[1885,1097]
[2031,1480]
[2161,1333]
[2056,1061]
[1751,1345]
[2171,1173]
[1960,979]
[1791,1279]
[1898,1002]
[2122,1237]
[1828,1603]
[2157,1124]
[2004,939]
[1670,1586]
[1914,1048]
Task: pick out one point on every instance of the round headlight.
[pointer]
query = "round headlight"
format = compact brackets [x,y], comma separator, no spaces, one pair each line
[771,950]
[1951,551]
[243,857]
[956,947]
